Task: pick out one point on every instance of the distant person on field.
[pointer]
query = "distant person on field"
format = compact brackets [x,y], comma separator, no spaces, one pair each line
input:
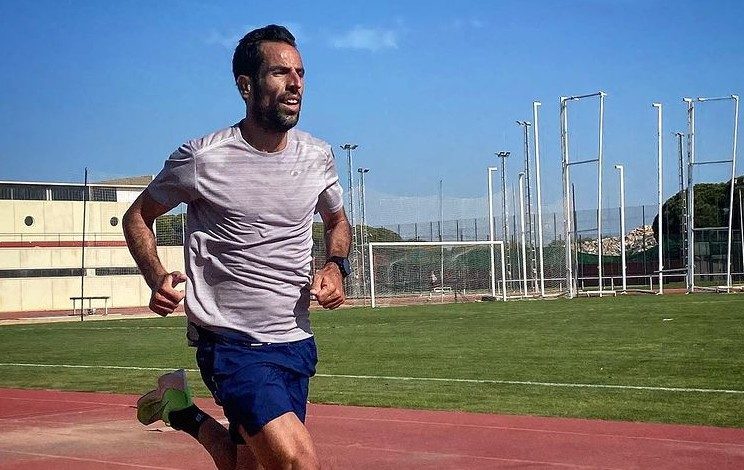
[251,190]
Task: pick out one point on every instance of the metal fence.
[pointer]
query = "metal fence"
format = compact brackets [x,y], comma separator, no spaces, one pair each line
[640,242]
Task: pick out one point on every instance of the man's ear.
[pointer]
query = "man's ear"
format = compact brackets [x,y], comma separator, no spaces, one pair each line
[244,86]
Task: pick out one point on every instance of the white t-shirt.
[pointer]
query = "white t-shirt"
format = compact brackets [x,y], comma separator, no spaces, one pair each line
[249,229]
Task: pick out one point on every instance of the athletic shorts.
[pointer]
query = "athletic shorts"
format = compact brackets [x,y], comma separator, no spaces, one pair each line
[255,382]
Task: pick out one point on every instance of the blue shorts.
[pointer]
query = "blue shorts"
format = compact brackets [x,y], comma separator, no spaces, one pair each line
[255,382]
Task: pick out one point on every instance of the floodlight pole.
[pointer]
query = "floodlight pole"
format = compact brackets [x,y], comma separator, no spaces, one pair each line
[491,229]
[504,155]
[620,170]
[349,148]
[528,199]
[522,227]
[660,194]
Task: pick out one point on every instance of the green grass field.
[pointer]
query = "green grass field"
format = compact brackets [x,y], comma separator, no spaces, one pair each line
[682,342]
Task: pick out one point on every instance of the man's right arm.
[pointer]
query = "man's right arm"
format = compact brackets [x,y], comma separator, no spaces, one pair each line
[137,223]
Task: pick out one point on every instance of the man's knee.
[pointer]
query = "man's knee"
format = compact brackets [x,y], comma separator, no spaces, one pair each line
[284,443]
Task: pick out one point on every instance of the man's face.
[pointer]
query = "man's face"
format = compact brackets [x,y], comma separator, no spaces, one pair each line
[277,97]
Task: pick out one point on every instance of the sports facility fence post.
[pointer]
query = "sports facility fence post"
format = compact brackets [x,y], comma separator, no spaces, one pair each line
[733,183]
[660,196]
[82,249]
[536,140]
[567,185]
[624,270]
[690,195]
[491,229]
[371,274]
[566,197]
[522,233]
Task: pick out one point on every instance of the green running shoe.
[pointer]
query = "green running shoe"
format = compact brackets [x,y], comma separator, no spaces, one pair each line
[172,394]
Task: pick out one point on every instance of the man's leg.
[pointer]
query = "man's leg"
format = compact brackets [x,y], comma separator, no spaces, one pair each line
[283,443]
[215,439]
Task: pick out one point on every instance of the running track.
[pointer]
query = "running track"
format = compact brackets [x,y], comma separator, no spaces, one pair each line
[77,430]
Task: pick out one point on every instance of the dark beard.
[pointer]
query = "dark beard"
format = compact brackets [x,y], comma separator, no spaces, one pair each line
[272,118]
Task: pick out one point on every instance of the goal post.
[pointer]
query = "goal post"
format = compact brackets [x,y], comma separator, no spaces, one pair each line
[425,270]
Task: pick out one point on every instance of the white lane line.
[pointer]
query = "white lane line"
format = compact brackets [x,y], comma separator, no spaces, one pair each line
[107,463]
[421,379]
[459,456]
[530,430]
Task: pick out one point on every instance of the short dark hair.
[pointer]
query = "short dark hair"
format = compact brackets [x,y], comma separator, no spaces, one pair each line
[247,57]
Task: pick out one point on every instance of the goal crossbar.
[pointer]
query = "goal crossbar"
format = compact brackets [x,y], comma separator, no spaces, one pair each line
[492,244]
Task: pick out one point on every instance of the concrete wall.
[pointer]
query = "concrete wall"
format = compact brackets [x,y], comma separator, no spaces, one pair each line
[53,293]
[60,220]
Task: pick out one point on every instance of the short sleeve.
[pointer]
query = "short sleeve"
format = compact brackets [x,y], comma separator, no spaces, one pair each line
[331,199]
[176,182]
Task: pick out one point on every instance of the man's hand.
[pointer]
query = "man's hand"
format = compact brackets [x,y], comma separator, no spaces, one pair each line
[328,287]
[165,298]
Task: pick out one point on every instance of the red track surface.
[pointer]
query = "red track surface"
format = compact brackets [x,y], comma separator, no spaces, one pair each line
[75,430]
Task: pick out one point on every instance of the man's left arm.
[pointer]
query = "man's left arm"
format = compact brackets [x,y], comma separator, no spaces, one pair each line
[328,286]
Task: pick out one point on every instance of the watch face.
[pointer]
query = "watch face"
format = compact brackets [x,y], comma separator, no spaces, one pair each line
[345,267]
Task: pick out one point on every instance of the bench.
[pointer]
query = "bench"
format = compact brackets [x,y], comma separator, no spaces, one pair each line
[442,290]
[90,299]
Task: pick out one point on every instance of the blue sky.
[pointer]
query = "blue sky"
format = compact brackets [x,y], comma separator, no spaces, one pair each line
[429,90]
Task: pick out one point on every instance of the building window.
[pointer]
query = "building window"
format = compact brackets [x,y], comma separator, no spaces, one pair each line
[48,272]
[114,221]
[129,271]
[29,221]
[103,194]
[28,193]
[68,193]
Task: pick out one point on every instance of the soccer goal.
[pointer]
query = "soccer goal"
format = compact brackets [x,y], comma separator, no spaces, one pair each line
[422,272]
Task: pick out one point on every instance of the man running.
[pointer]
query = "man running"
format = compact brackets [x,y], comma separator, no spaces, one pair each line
[251,191]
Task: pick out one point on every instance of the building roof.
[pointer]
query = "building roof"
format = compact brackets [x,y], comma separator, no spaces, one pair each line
[143,180]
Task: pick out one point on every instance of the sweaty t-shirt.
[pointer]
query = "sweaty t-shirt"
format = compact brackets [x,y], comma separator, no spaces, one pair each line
[249,229]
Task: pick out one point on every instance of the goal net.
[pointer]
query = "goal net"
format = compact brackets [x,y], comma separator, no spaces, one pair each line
[423,272]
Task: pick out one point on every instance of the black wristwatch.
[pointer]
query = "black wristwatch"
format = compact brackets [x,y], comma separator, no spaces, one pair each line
[343,264]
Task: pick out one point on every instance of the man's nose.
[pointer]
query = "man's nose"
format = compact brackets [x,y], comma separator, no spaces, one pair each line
[295,81]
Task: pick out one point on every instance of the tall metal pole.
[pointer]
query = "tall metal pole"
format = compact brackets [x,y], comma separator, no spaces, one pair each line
[528,209]
[363,229]
[491,230]
[354,242]
[536,140]
[731,196]
[690,194]
[599,191]
[521,224]
[741,229]
[82,249]
[441,237]
[683,195]
[566,197]
[504,155]
[620,169]
[659,138]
